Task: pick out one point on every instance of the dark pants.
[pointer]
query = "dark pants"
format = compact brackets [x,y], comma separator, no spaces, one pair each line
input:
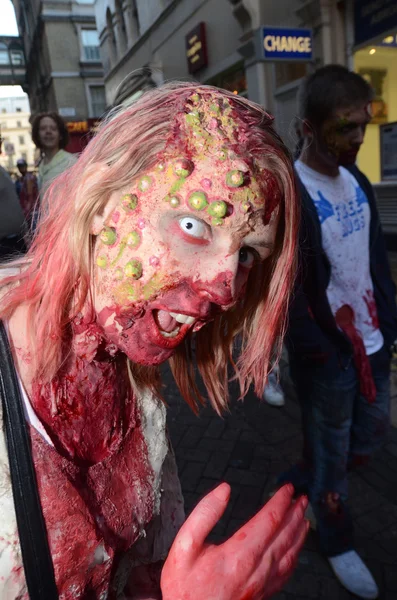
[341,429]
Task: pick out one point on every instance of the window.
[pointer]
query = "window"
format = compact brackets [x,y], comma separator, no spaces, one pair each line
[98,100]
[90,42]
[21,139]
[19,124]
[3,110]
[24,156]
[17,57]
[4,58]
[18,109]
[3,125]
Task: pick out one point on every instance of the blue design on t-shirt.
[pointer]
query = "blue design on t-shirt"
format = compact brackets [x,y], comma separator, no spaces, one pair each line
[324,208]
[361,197]
[348,213]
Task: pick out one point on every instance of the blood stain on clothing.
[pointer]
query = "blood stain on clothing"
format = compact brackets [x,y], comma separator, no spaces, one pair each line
[372,310]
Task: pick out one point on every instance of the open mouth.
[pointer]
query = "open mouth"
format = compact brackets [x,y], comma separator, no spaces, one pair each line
[170,324]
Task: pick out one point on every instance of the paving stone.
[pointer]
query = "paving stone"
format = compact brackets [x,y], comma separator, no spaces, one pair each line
[206,485]
[215,429]
[190,476]
[242,455]
[303,584]
[387,539]
[217,465]
[390,578]
[378,519]
[198,454]
[231,434]
[312,562]
[249,449]
[248,503]
[192,437]
[215,446]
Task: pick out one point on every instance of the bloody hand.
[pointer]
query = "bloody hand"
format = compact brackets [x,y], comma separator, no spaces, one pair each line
[251,565]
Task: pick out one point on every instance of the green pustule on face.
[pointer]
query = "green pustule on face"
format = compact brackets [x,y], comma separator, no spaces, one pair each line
[173,199]
[145,183]
[108,236]
[223,154]
[133,269]
[217,209]
[102,262]
[198,200]
[183,167]
[234,178]
[133,239]
[129,202]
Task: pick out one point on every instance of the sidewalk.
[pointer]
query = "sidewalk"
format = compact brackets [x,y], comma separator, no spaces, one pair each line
[248,449]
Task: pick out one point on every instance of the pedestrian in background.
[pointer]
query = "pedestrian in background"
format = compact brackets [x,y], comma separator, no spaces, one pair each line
[11,218]
[51,136]
[27,189]
[343,319]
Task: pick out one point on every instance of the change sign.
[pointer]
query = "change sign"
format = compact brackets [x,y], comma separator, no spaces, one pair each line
[287,44]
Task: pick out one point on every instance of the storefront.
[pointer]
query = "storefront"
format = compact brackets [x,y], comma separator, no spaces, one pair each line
[375,58]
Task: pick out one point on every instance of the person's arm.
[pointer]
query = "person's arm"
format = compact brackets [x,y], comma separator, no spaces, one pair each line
[304,335]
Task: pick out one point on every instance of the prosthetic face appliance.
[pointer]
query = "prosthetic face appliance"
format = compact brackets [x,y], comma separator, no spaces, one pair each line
[178,245]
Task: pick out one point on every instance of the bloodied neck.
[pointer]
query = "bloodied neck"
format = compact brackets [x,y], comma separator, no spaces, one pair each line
[336,142]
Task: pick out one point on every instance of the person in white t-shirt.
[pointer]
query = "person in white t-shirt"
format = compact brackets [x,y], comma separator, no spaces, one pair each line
[343,320]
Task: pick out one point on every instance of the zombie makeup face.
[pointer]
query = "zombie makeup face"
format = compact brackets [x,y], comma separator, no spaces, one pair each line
[178,245]
[343,133]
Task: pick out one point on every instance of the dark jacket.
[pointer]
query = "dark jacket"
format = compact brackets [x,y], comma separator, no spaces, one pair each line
[313,335]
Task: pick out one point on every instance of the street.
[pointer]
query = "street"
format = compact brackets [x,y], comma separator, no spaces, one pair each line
[248,449]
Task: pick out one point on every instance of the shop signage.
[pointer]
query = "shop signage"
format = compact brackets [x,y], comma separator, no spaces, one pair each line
[196,48]
[388,151]
[287,44]
[77,126]
[82,126]
[373,18]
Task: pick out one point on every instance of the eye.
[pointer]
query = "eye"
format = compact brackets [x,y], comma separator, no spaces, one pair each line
[193,227]
[247,257]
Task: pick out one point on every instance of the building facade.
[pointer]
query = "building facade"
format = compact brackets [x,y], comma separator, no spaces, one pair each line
[146,42]
[63,67]
[15,132]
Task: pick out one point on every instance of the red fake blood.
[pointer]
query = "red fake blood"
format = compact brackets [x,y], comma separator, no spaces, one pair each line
[345,320]
[94,512]
[252,591]
[371,306]
[86,409]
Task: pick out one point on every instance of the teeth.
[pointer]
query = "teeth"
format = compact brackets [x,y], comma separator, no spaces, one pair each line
[183,318]
[172,334]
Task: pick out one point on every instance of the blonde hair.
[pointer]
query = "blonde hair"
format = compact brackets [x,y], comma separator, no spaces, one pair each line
[60,260]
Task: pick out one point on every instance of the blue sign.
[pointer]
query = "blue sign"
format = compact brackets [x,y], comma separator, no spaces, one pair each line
[373,19]
[287,44]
